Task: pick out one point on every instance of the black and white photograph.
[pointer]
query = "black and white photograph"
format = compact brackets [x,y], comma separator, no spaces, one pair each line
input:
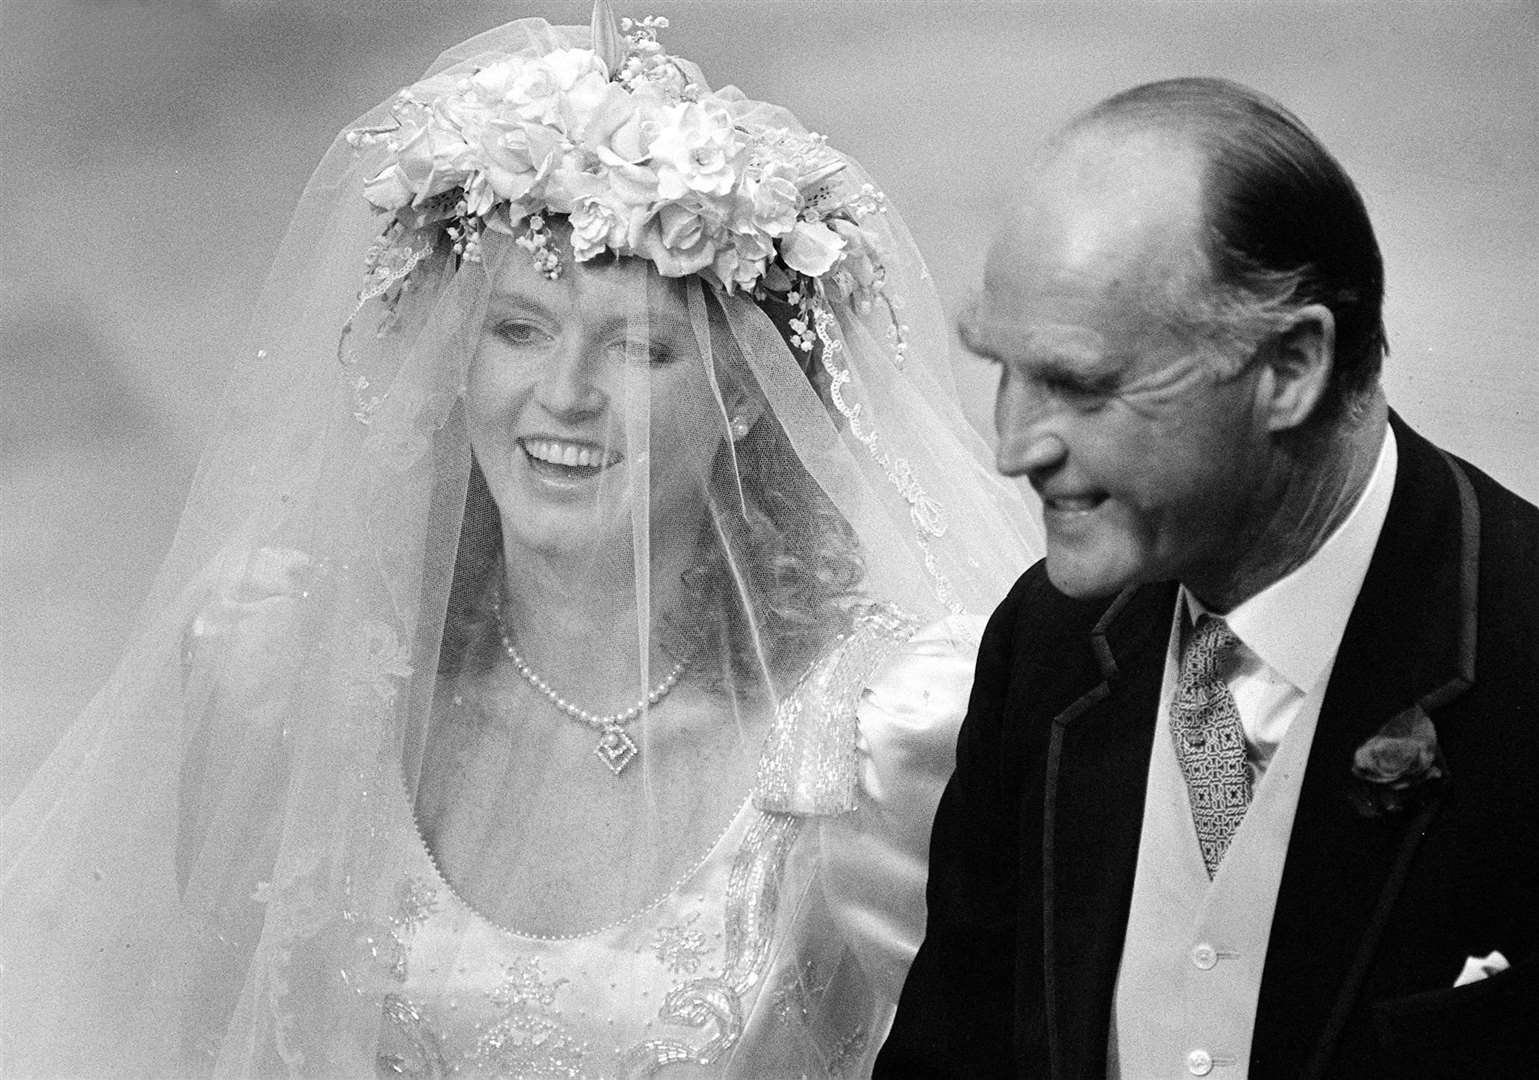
[769,539]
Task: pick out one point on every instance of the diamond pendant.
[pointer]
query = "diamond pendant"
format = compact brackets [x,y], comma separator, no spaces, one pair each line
[616,749]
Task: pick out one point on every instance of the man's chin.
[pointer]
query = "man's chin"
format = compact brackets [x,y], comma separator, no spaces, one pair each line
[1083,579]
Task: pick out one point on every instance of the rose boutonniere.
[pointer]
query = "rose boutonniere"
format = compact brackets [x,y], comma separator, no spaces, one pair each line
[1399,768]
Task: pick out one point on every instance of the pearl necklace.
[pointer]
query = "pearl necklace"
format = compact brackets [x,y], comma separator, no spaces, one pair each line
[615,747]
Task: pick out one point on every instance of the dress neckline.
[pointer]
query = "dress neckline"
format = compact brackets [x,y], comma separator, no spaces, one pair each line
[635,914]
[865,624]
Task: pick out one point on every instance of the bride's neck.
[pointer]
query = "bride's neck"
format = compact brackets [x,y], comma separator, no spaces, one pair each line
[577,618]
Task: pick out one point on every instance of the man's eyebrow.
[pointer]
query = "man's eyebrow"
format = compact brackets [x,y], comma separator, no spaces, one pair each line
[1099,379]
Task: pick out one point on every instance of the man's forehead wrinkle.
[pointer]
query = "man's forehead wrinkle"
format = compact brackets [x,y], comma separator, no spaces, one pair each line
[1007,334]
[1067,342]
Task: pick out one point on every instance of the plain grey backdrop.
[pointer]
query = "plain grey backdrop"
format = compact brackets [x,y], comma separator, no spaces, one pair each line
[153,150]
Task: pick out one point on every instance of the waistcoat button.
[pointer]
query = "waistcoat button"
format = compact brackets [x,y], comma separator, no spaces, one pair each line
[1199,1063]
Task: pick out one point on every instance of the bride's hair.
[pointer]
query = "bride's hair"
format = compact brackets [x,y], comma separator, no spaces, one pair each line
[803,567]
[798,564]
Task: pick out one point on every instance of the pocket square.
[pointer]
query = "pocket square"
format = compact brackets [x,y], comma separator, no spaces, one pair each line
[1481,967]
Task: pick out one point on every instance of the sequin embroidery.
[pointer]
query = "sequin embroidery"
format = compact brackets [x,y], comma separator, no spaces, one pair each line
[809,764]
[409,1048]
[714,1003]
[528,1038]
[415,901]
[374,663]
[799,991]
[680,948]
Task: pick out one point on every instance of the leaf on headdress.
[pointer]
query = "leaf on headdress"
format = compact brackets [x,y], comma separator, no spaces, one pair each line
[607,42]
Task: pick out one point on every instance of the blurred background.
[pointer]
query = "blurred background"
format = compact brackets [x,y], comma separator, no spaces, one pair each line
[153,151]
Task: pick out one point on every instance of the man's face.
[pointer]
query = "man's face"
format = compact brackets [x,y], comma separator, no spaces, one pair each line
[1149,457]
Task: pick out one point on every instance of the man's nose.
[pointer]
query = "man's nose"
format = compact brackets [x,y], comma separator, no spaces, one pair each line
[1029,442]
[1031,454]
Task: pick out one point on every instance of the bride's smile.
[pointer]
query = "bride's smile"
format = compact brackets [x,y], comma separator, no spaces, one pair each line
[567,459]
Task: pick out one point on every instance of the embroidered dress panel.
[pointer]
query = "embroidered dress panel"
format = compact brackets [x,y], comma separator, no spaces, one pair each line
[748,967]
[1209,741]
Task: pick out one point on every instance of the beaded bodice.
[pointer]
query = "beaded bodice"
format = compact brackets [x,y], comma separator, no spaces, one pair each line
[747,967]
[672,983]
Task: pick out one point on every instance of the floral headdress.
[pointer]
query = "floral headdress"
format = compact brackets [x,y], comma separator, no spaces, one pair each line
[644,161]
[641,159]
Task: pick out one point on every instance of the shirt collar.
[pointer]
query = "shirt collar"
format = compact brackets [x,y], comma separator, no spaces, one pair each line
[1295,624]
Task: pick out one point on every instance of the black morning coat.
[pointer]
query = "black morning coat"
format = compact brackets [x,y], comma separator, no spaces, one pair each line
[1036,839]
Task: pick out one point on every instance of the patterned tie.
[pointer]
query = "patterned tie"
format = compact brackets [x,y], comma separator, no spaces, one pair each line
[1210,744]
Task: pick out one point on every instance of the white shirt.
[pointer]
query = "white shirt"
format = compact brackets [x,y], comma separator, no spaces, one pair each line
[1289,631]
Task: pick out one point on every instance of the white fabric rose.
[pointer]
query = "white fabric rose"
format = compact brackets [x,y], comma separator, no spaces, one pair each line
[696,151]
[600,224]
[539,88]
[810,248]
[677,242]
[772,199]
[741,264]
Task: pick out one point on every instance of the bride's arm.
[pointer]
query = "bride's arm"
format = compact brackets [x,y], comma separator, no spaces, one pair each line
[875,859]
[241,653]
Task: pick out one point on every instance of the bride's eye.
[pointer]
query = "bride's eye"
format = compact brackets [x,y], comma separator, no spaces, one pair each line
[657,353]
[520,334]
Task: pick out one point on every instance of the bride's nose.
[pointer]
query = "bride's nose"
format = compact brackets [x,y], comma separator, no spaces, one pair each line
[570,383]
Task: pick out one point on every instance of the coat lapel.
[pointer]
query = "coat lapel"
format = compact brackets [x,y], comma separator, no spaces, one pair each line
[1409,643]
[1097,769]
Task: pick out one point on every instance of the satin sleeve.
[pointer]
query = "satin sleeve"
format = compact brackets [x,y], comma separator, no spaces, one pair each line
[875,859]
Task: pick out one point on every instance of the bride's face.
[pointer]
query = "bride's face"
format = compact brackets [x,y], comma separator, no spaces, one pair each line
[566,375]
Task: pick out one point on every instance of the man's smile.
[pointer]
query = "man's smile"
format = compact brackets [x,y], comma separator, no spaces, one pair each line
[1072,503]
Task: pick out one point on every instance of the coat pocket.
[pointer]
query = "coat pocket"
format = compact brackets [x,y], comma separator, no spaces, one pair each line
[1487,1028]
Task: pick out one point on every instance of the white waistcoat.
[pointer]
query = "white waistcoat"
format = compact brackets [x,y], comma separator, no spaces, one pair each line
[1193,953]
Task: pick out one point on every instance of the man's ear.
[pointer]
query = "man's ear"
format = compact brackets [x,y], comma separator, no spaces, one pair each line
[1299,361]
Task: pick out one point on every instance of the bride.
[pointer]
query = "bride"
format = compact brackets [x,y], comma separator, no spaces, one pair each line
[563,647]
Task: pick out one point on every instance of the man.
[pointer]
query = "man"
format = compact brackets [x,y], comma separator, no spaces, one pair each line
[1250,775]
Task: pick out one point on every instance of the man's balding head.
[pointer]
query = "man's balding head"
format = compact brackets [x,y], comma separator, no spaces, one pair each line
[1282,223]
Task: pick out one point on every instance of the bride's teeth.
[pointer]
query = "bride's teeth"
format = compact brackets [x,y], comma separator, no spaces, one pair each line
[567,455]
